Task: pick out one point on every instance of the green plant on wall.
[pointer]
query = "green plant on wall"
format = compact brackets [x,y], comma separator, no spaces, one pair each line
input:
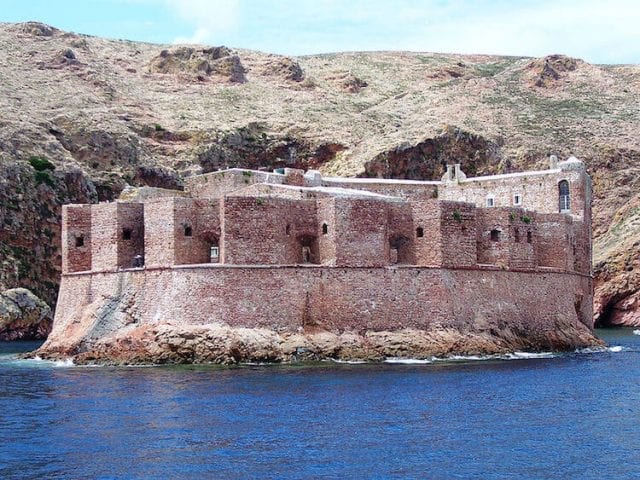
[457,216]
[512,216]
[526,219]
[260,201]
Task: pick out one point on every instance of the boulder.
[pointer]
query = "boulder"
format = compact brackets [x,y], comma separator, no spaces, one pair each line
[23,316]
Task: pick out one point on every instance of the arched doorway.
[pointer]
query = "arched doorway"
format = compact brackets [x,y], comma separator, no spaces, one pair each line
[308,249]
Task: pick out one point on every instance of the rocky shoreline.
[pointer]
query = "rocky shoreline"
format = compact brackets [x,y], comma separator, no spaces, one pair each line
[220,344]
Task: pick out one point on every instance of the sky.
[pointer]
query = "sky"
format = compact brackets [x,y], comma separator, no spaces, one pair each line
[594,30]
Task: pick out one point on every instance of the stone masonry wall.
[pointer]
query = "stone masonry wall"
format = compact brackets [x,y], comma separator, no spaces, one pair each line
[218,184]
[76,238]
[332,298]
[360,232]
[130,238]
[159,226]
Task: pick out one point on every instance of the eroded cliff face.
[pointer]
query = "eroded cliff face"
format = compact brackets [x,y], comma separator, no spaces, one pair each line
[107,114]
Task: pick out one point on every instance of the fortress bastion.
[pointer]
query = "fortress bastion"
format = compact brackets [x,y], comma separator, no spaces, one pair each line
[276,266]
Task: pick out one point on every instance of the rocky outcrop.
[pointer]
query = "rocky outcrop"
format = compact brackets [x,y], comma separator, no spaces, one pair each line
[428,158]
[284,68]
[23,316]
[202,62]
[167,343]
[548,70]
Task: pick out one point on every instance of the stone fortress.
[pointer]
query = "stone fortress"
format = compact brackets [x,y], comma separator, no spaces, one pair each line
[296,252]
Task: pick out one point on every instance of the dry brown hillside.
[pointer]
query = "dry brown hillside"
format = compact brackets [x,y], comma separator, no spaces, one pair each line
[81,117]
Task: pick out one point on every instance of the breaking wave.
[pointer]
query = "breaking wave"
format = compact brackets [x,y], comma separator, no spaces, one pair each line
[636,332]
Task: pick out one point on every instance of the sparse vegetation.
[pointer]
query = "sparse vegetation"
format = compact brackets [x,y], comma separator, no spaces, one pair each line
[40,164]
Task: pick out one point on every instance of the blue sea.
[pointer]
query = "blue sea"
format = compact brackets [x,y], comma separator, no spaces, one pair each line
[566,416]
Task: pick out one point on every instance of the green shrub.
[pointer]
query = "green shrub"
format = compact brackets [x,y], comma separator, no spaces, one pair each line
[158,128]
[525,219]
[260,201]
[41,164]
[44,177]
[457,216]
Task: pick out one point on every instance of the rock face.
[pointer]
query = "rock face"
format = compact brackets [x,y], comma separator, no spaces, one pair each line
[23,316]
[128,114]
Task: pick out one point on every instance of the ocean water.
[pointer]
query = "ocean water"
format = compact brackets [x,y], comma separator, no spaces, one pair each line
[569,416]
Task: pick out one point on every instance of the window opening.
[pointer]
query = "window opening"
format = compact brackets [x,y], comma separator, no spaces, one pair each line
[419,232]
[126,234]
[215,253]
[490,202]
[80,241]
[188,232]
[564,199]
[288,229]
[517,199]
[325,228]
[495,235]
[529,237]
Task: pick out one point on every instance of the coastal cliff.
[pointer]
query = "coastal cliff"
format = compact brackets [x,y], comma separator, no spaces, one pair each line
[84,117]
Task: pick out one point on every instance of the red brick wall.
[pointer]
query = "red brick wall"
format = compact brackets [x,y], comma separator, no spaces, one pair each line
[255,229]
[159,233]
[458,234]
[360,232]
[555,241]
[130,217]
[203,218]
[76,228]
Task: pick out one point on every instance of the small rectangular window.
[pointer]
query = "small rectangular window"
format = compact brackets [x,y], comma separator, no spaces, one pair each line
[215,253]
[126,234]
[490,202]
[495,235]
[188,231]
[517,199]
[80,241]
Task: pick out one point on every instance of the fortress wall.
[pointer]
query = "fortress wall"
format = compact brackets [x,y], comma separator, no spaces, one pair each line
[555,241]
[419,192]
[218,184]
[130,218]
[105,236]
[458,234]
[201,219]
[326,214]
[76,238]
[428,248]
[158,233]
[492,250]
[539,191]
[332,298]
[361,232]
[401,233]
[255,229]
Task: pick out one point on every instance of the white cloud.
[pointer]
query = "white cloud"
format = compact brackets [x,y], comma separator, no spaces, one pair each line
[597,31]
[209,19]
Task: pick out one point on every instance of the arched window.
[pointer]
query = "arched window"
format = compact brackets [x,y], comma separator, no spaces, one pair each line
[325,228]
[495,235]
[564,199]
[188,231]
[419,232]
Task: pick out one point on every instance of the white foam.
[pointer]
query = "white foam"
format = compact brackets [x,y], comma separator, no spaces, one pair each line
[636,332]
[408,361]
[527,355]
[615,349]
[349,362]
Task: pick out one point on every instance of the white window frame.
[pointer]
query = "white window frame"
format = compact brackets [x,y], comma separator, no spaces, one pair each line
[517,199]
[490,201]
[215,252]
